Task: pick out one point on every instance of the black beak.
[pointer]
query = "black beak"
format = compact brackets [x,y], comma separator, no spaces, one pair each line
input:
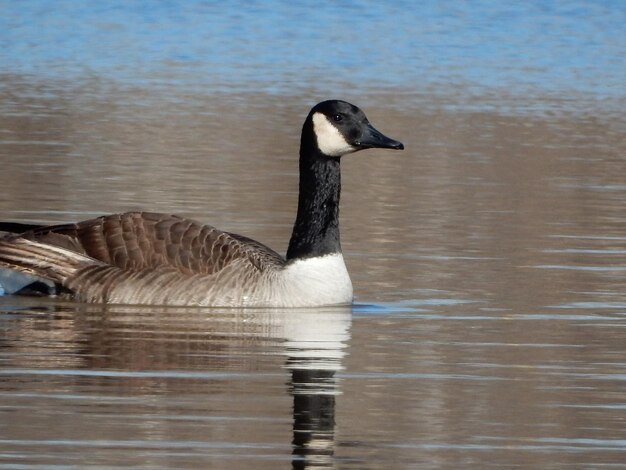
[371,138]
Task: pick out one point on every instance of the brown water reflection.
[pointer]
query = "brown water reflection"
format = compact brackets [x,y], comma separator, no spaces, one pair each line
[170,386]
[488,261]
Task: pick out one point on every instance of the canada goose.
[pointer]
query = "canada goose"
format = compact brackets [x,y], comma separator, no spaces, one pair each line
[149,258]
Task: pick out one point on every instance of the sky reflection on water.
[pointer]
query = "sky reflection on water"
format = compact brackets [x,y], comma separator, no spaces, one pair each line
[558,49]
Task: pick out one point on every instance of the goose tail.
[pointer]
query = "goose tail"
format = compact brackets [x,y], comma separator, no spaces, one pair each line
[24,261]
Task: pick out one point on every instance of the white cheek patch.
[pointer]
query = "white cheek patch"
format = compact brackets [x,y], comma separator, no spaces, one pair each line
[329,139]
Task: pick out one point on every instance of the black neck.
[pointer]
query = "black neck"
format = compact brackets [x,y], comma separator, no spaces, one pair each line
[316,230]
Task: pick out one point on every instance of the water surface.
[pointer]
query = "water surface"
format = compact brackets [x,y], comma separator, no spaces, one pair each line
[488,258]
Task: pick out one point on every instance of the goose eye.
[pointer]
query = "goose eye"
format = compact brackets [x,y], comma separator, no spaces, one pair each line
[337,117]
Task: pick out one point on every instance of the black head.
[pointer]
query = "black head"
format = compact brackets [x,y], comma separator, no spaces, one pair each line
[340,128]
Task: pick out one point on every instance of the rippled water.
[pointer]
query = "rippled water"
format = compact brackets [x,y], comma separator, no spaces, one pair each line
[488,258]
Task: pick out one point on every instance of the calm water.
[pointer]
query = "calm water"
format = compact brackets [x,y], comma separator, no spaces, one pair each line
[488,258]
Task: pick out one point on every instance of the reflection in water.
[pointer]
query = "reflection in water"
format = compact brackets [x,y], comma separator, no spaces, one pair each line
[178,363]
[313,361]
[314,417]
[538,56]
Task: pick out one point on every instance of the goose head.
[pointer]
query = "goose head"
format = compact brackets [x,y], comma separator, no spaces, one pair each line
[337,128]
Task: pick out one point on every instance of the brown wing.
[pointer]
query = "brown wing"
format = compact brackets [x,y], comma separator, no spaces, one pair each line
[139,240]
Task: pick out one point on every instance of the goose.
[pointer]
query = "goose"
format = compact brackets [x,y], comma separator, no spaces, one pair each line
[161,259]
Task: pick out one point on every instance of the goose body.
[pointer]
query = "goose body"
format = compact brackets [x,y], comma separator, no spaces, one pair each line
[150,258]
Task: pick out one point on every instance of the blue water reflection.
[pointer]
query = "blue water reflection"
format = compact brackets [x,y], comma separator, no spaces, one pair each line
[547,47]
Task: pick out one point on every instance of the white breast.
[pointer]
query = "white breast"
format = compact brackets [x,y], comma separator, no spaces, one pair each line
[310,282]
[323,280]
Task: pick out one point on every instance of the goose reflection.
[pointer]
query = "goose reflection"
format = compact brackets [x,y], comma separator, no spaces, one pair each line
[201,366]
[315,347]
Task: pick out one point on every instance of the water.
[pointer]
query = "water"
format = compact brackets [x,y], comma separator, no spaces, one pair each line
[537,54]
[488,258]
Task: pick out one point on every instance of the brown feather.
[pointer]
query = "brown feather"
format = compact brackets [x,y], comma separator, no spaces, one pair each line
[141,240]
[141,257]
